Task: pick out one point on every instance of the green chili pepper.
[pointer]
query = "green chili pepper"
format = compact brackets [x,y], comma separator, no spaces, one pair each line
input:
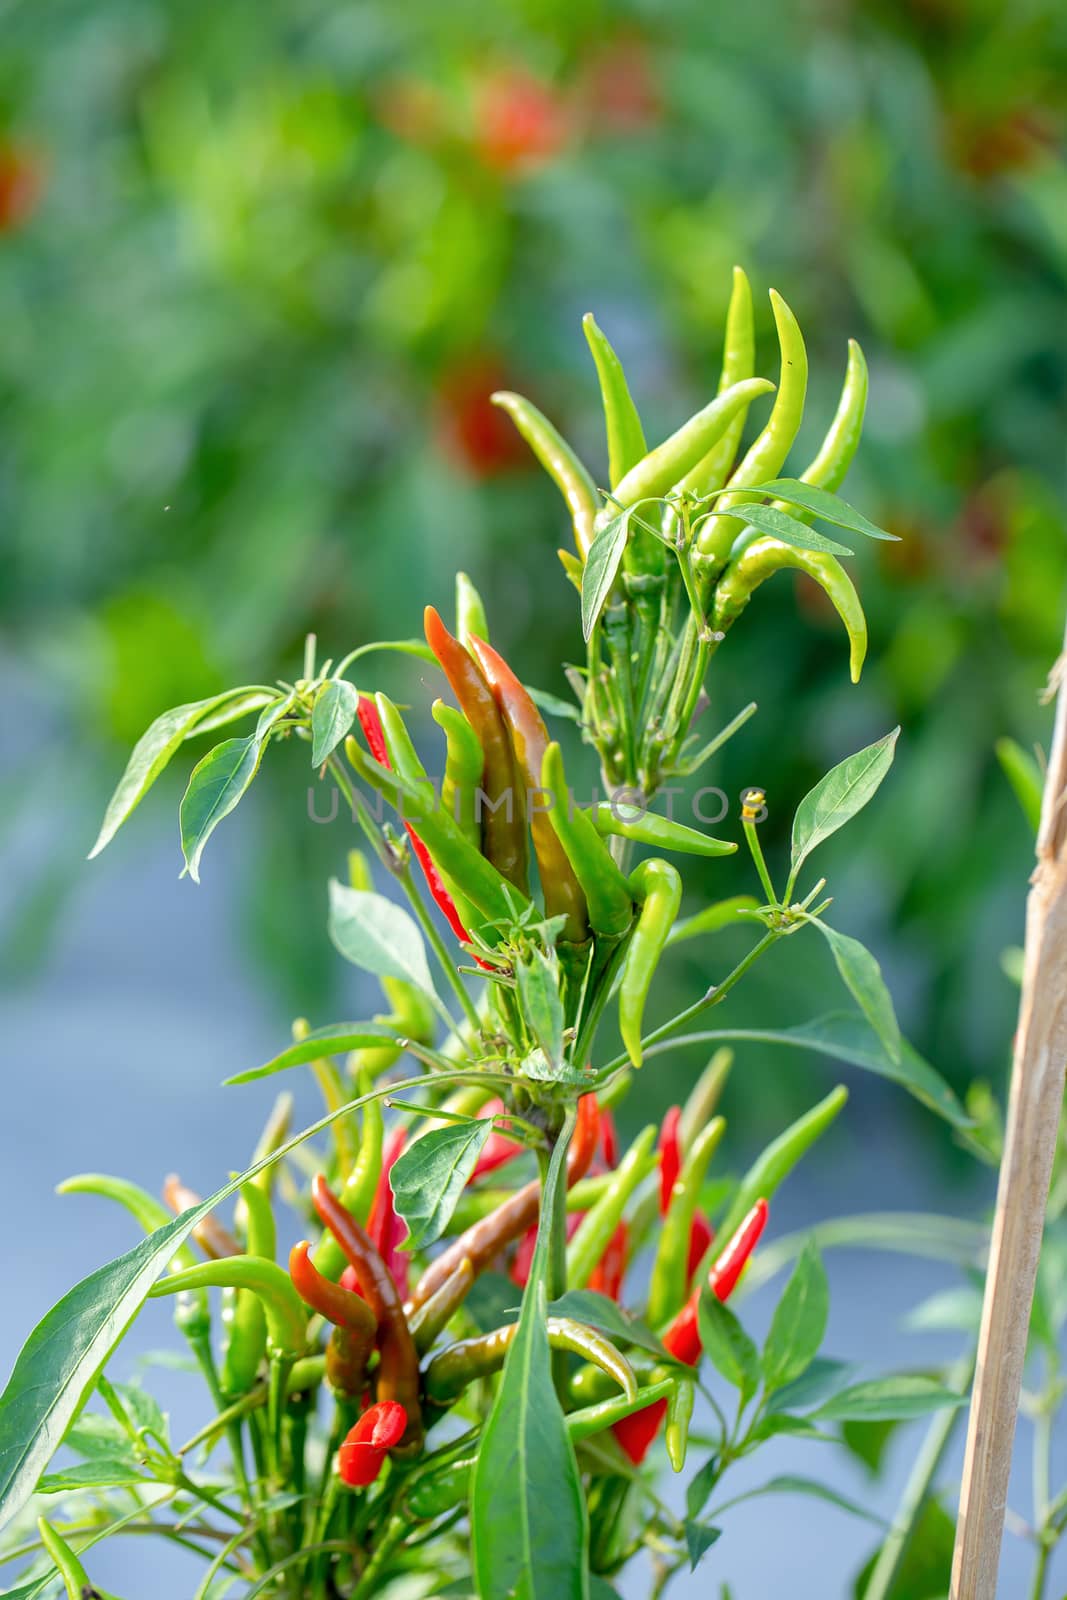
[244,1341]
[657,888]
[449,1373]
[572,567]
[767,453]
[559,461]
[835,454]
[703,1098]
[777,1162]
[284,1310]
[626,438]
[669,1285]
[597,1226]
[529,740]
[495,898]
[738,362]
[722,914]
[594,1419]
[470,612]
[605,888]
[436,1312]
[648,827]
[334,1096]
[75,1578]
[679,1413]
[662,468]
[464,764]
[503,812]
[765,556]
[431,1496]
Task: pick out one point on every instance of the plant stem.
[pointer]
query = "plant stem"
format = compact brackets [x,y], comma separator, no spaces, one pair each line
[437,945]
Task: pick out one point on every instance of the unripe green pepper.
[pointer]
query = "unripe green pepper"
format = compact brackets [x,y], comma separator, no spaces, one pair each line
[767,555]
[657,888]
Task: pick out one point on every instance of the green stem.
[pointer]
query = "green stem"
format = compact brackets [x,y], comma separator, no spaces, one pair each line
[437,945]
[1037,1588]
[756,852]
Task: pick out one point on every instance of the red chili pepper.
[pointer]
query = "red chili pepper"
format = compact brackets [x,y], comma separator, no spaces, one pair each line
[385,1227]
[370,722]
[355,1324]
[499,1148]
[379,1429]
[608,1273]
[701,1235]
[520,1267]
[670,1156]
[636,1432]
[609,1140]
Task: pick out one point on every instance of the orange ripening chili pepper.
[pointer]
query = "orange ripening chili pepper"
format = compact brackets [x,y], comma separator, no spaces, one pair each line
[371,724]
[214,1240]
[355,1325]
[387,1229]
[365,1447]
[520,1267]
[670,1157]
[636,1432]
[499,1149]
[609,1140]
[485,1239]
[563,895]
[701,1234]
[398,1368]
[608,1273]
[504,811]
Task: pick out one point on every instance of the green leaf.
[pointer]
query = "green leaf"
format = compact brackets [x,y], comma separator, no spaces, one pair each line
[799,1322]
[100,1438]
[430,1175]
[698,1489]
[775,1423]
[822,1379]
[787,530]
[154,750]
[542,1009]
[553,706]
[791,1483]
[598,1311]
[97,1474]
[1025,776]
[377,935]
[493,1300]
[217,785]
[728,1346]
[869,1441]
[838,796]
[699,1538]
[144,1413]
[821,503]
[332,716]
[925,1571]
[529,1532]
[888,1399]
[958,1310]
[601,567]
[331,1041]
[846,1036]
[863,978]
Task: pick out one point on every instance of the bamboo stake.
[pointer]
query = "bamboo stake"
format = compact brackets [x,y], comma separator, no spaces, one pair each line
[1034,1105]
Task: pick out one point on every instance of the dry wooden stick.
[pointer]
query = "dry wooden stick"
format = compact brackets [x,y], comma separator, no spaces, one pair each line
[1036,1098]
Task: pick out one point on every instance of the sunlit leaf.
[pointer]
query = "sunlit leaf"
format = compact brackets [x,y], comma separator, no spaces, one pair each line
[863,978]
[799,1322]
[430,1175]
[332,717]
[377,935]
[887,1399]
[822,503]
[838,796]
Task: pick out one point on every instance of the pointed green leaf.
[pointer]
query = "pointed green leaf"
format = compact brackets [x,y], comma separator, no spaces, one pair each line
[377,935]
[529,1531]
[791,1483]
[99,1474]
[332,717]
[217,785]
[728,1346]
[158,744]
[537,978]
[601,568]
[863,978]
[822,503]
[799,1322]
[699,1538]
[838,796]
[698,1489]
[430,1175]
[332,1041]
[888,1399]
[822,1378]
[787,530]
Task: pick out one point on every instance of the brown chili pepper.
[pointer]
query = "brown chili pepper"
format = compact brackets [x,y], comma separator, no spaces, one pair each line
[504,810]
[427,1322]
[562,892]
[398,1369]
[483,1242]
[355,1325]
[214,1240]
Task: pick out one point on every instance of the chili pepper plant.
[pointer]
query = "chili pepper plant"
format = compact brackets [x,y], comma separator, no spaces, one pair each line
[471,1373]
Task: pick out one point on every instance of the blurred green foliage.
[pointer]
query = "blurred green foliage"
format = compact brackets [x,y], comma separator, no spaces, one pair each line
[260,266]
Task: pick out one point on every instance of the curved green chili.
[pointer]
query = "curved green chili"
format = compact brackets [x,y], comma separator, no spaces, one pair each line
[606,890]
[670,1278]
[679,1413]
[470,612]
[449,1373]
[464,764]
[244,1342]
[559,461]
[766,455]
[765,556]
[560,888]
[835,454]
[738,363]
[503,813]
[657,888]
[626,437]
[662,468]
[778,1160]
[437,1312]
[75,1578]
[648,827]
[703,1097]
[597,1226]
[398,1369]
[284,1310]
